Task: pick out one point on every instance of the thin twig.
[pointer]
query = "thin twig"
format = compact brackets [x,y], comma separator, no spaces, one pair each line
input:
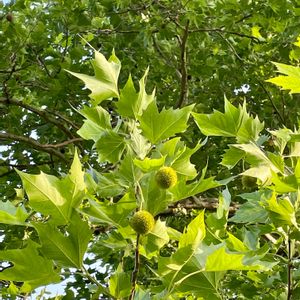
[136,268]
[24,166]
[42,113]
[272,102]
[188,204]
[35,144]
[60,145]
[163,56]
[220,30]
[183,68]
[229,45]
[68,121]
[289,271]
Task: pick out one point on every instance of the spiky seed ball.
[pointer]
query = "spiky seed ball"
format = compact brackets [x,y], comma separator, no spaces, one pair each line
[142,222]
[248,181]
[166,177]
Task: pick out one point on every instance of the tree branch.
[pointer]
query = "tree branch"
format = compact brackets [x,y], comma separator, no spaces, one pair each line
[272,102]
[63,118]
[220,30]
[183,68]
[229,45]
[40,112]
[210,204]
[163,56]
[60,145]
[24,166]
[136,268]
[35,144]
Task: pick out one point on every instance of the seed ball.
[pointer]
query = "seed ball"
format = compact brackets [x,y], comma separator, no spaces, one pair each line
[142,222]
[166,177]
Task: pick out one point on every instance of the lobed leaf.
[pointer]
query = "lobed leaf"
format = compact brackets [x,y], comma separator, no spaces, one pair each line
[104,84]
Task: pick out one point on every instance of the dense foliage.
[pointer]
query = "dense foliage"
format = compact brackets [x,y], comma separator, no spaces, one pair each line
[77,165]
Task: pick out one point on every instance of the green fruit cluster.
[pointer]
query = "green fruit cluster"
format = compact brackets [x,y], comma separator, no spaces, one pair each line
[142,222]
[166,177]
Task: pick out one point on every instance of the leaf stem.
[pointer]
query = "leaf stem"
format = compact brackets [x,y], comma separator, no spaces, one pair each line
[136,268]
[89,276]
[100,288]
[289,270]
[139,192]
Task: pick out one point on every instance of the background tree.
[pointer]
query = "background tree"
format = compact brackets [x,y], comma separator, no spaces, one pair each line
[197,52]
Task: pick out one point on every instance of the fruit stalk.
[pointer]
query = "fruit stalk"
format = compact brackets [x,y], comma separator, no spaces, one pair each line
[136,268]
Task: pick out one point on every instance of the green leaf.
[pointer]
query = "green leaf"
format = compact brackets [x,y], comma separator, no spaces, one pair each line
[127,172]
[233,243]
[235,122]
[222,260]
[9,214]
[155,199]
[139,144]
[140,294]
[262,172]
[157,126]
[182,272]
[113,240]
[104,84]
[256,156]
[108,185]
[182,164]
[178,155]
[111,213]
[52,196]
[277,160]
[289,82]
[284,184]
[119,284]
[97,121]
[281,211]
[110,146]
[28,267]
[231,157]
[250,212]
[74,182]
[224,204]
[155,240]
[297,171]
[66,249]
[182,190]
[194,233]
[44,193]
[148,164]
[132,104]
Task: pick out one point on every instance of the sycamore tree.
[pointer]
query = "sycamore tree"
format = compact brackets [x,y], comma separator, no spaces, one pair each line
[120,215]
[197,51]
[149,184]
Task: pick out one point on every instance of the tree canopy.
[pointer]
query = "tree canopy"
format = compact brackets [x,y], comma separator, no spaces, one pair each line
[175,108]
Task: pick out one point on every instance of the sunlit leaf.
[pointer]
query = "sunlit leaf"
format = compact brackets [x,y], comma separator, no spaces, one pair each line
[157,126]
[104,84]
[132,104]
[9,214]
[234,122]
[194,233]
[66,249]
[28,267]
[290,80]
